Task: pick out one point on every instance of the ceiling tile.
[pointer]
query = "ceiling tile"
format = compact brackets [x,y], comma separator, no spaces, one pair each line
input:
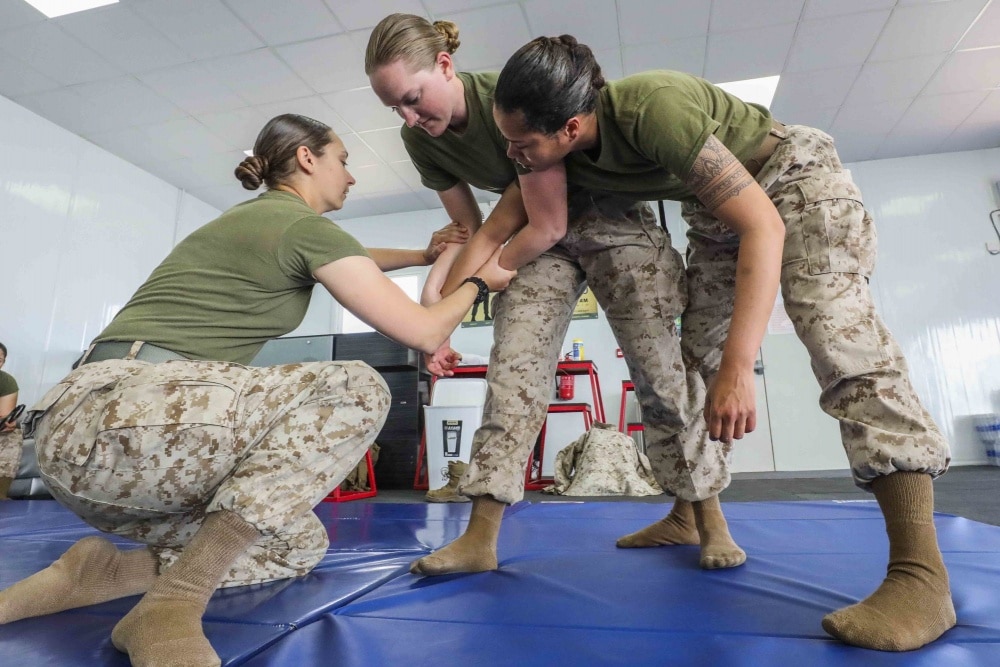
[216,32]
[15,13]
[123,38]
[748,54]
[238,128]
[360,155]
[440,8]
[836,41]
[895,79]
[358,14]
[387,144]
[68,110]
[216,168]
[185,137]
[288,20]
[662,21]
[56,54]
[734,15]
[683,55]
[131,144]
[194,88]
[482,43]
[816,9]
[610,61]
[821,119]
[312,107]
[328,64]
[17,78]
[967,70]
[860,128]
[362,110]
[258,77]
[406,171]
[124,101]
[972,138]
[592,22]
[377,178]
[927,28]
[928,122]
[986,113]
[986,31]
[801,92]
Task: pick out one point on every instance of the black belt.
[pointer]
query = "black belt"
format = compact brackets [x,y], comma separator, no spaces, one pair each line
[129,349]
[774,136]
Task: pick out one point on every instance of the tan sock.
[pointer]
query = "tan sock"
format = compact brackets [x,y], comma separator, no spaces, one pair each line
[92,571]
[913,606]
[5,483]
[475,550]
[718,549]
[678,527]
[164,629]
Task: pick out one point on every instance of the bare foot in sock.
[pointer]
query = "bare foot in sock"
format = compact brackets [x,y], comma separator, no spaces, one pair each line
[465,554]
[92,571]
[718,549]
[163,632]
[913,605]
[475,550]
[903,614]
[678,527]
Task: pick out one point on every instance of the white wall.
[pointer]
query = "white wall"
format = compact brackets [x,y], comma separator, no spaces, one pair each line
[80,230]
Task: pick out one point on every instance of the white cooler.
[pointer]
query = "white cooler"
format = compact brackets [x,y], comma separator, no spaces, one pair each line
[450,421]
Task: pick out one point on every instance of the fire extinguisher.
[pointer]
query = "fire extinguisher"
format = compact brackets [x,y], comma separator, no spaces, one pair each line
[566,387]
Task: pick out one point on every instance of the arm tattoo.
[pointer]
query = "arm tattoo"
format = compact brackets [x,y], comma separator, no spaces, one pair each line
[717,176]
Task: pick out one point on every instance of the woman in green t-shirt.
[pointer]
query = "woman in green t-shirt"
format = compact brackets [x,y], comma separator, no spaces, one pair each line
[166,438]
[611,243]
[10,433]
[766,203]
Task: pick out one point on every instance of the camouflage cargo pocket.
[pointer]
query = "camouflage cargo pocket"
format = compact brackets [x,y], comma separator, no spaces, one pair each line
[836,233]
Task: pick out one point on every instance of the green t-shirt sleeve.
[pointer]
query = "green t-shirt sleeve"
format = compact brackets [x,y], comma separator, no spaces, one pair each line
[432,175]
[670,127]
[312,242]
[8,385]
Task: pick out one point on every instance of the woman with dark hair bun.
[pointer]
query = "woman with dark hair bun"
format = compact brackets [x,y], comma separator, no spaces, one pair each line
[162,435]
[10,431]
[575,238]
[766,204]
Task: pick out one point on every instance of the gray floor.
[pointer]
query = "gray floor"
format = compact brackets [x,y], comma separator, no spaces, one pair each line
[969,491]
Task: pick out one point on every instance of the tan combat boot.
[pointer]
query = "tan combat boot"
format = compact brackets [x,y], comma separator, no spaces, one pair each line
[449,493]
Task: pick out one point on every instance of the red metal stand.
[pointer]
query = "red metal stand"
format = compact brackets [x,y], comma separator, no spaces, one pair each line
[533,479]
[627,428]
[338,496]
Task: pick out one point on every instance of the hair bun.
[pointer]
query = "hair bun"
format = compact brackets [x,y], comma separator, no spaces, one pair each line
[449,31]
[252,172]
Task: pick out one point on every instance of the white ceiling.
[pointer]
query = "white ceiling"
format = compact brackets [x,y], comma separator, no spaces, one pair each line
[181,87]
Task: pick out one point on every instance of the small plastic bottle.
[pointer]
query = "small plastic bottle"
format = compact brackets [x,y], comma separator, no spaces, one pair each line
[578,349]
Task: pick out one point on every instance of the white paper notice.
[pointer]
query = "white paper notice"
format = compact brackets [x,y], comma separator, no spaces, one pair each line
[779,323]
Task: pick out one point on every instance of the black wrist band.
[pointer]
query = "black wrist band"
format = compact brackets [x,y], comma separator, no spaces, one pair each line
[484,290]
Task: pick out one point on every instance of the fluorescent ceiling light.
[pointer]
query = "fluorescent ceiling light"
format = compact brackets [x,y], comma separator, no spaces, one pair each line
[248,152]
[54,8]
[759,91]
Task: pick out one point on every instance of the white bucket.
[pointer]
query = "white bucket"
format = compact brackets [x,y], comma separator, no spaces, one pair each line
[988,430]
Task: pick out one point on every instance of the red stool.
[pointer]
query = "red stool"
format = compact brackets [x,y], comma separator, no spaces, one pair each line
[631,427]
[338,496]
[533,479]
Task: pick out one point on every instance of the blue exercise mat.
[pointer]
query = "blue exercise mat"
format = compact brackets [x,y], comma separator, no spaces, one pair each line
[564,594]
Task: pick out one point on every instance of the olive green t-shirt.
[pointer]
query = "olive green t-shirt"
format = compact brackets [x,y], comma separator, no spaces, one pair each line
[8,385]
[476,156]
[653,125]
[235,283]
